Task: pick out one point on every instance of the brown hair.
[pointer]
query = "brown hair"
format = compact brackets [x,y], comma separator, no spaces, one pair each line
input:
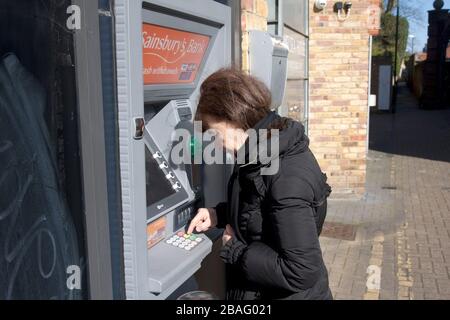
[233,96]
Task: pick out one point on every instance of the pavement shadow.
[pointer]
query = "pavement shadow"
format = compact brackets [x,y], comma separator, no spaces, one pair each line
[411,131]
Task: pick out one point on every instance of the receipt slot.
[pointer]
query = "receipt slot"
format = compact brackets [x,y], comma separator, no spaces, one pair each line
[164,51]
[268,62]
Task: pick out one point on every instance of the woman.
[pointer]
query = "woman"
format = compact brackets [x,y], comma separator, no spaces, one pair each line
[272,222]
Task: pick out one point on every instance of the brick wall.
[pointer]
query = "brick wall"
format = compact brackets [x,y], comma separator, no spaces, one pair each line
[339,71]
[253,17]
[339,79]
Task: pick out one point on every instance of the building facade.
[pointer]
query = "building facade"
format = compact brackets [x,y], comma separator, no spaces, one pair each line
[436,68]
[328,78]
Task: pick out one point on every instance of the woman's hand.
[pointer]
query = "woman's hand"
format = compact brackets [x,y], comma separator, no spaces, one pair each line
[228,234]
[203,221]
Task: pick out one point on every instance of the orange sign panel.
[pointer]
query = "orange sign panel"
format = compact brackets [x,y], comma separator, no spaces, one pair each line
[171,56]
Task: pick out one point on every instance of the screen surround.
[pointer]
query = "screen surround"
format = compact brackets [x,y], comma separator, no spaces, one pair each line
[172,199]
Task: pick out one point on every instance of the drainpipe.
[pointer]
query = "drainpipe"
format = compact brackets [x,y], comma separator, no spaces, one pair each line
[369,94]
[394,105]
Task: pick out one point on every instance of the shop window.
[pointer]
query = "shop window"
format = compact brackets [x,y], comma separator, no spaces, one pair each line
[289,19]
[42,234]
[295,15]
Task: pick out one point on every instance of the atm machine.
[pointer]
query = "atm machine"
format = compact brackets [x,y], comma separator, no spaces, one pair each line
[165,49]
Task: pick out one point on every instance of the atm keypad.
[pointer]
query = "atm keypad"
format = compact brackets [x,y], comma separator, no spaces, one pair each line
[184,241]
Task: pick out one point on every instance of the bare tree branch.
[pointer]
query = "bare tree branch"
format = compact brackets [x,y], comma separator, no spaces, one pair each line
[408,9]
[414,13]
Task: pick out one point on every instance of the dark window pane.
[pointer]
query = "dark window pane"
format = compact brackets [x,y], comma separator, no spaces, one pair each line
[155,177]
[295,14]
[41,212]
[272,29]
[225,2]
[295,99]
[297,54]
[273,8]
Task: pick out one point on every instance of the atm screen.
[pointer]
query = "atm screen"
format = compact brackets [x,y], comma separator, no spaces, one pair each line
[158,187]
[172,56]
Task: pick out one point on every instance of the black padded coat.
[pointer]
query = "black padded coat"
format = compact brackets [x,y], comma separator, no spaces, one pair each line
[277,220]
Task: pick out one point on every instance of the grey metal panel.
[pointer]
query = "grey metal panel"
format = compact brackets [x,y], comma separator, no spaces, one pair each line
[265,50]
[88,72]
[132,154]
[175,265]
[131,105]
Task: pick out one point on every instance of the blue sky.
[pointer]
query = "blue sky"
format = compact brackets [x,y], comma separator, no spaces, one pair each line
[420,30]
